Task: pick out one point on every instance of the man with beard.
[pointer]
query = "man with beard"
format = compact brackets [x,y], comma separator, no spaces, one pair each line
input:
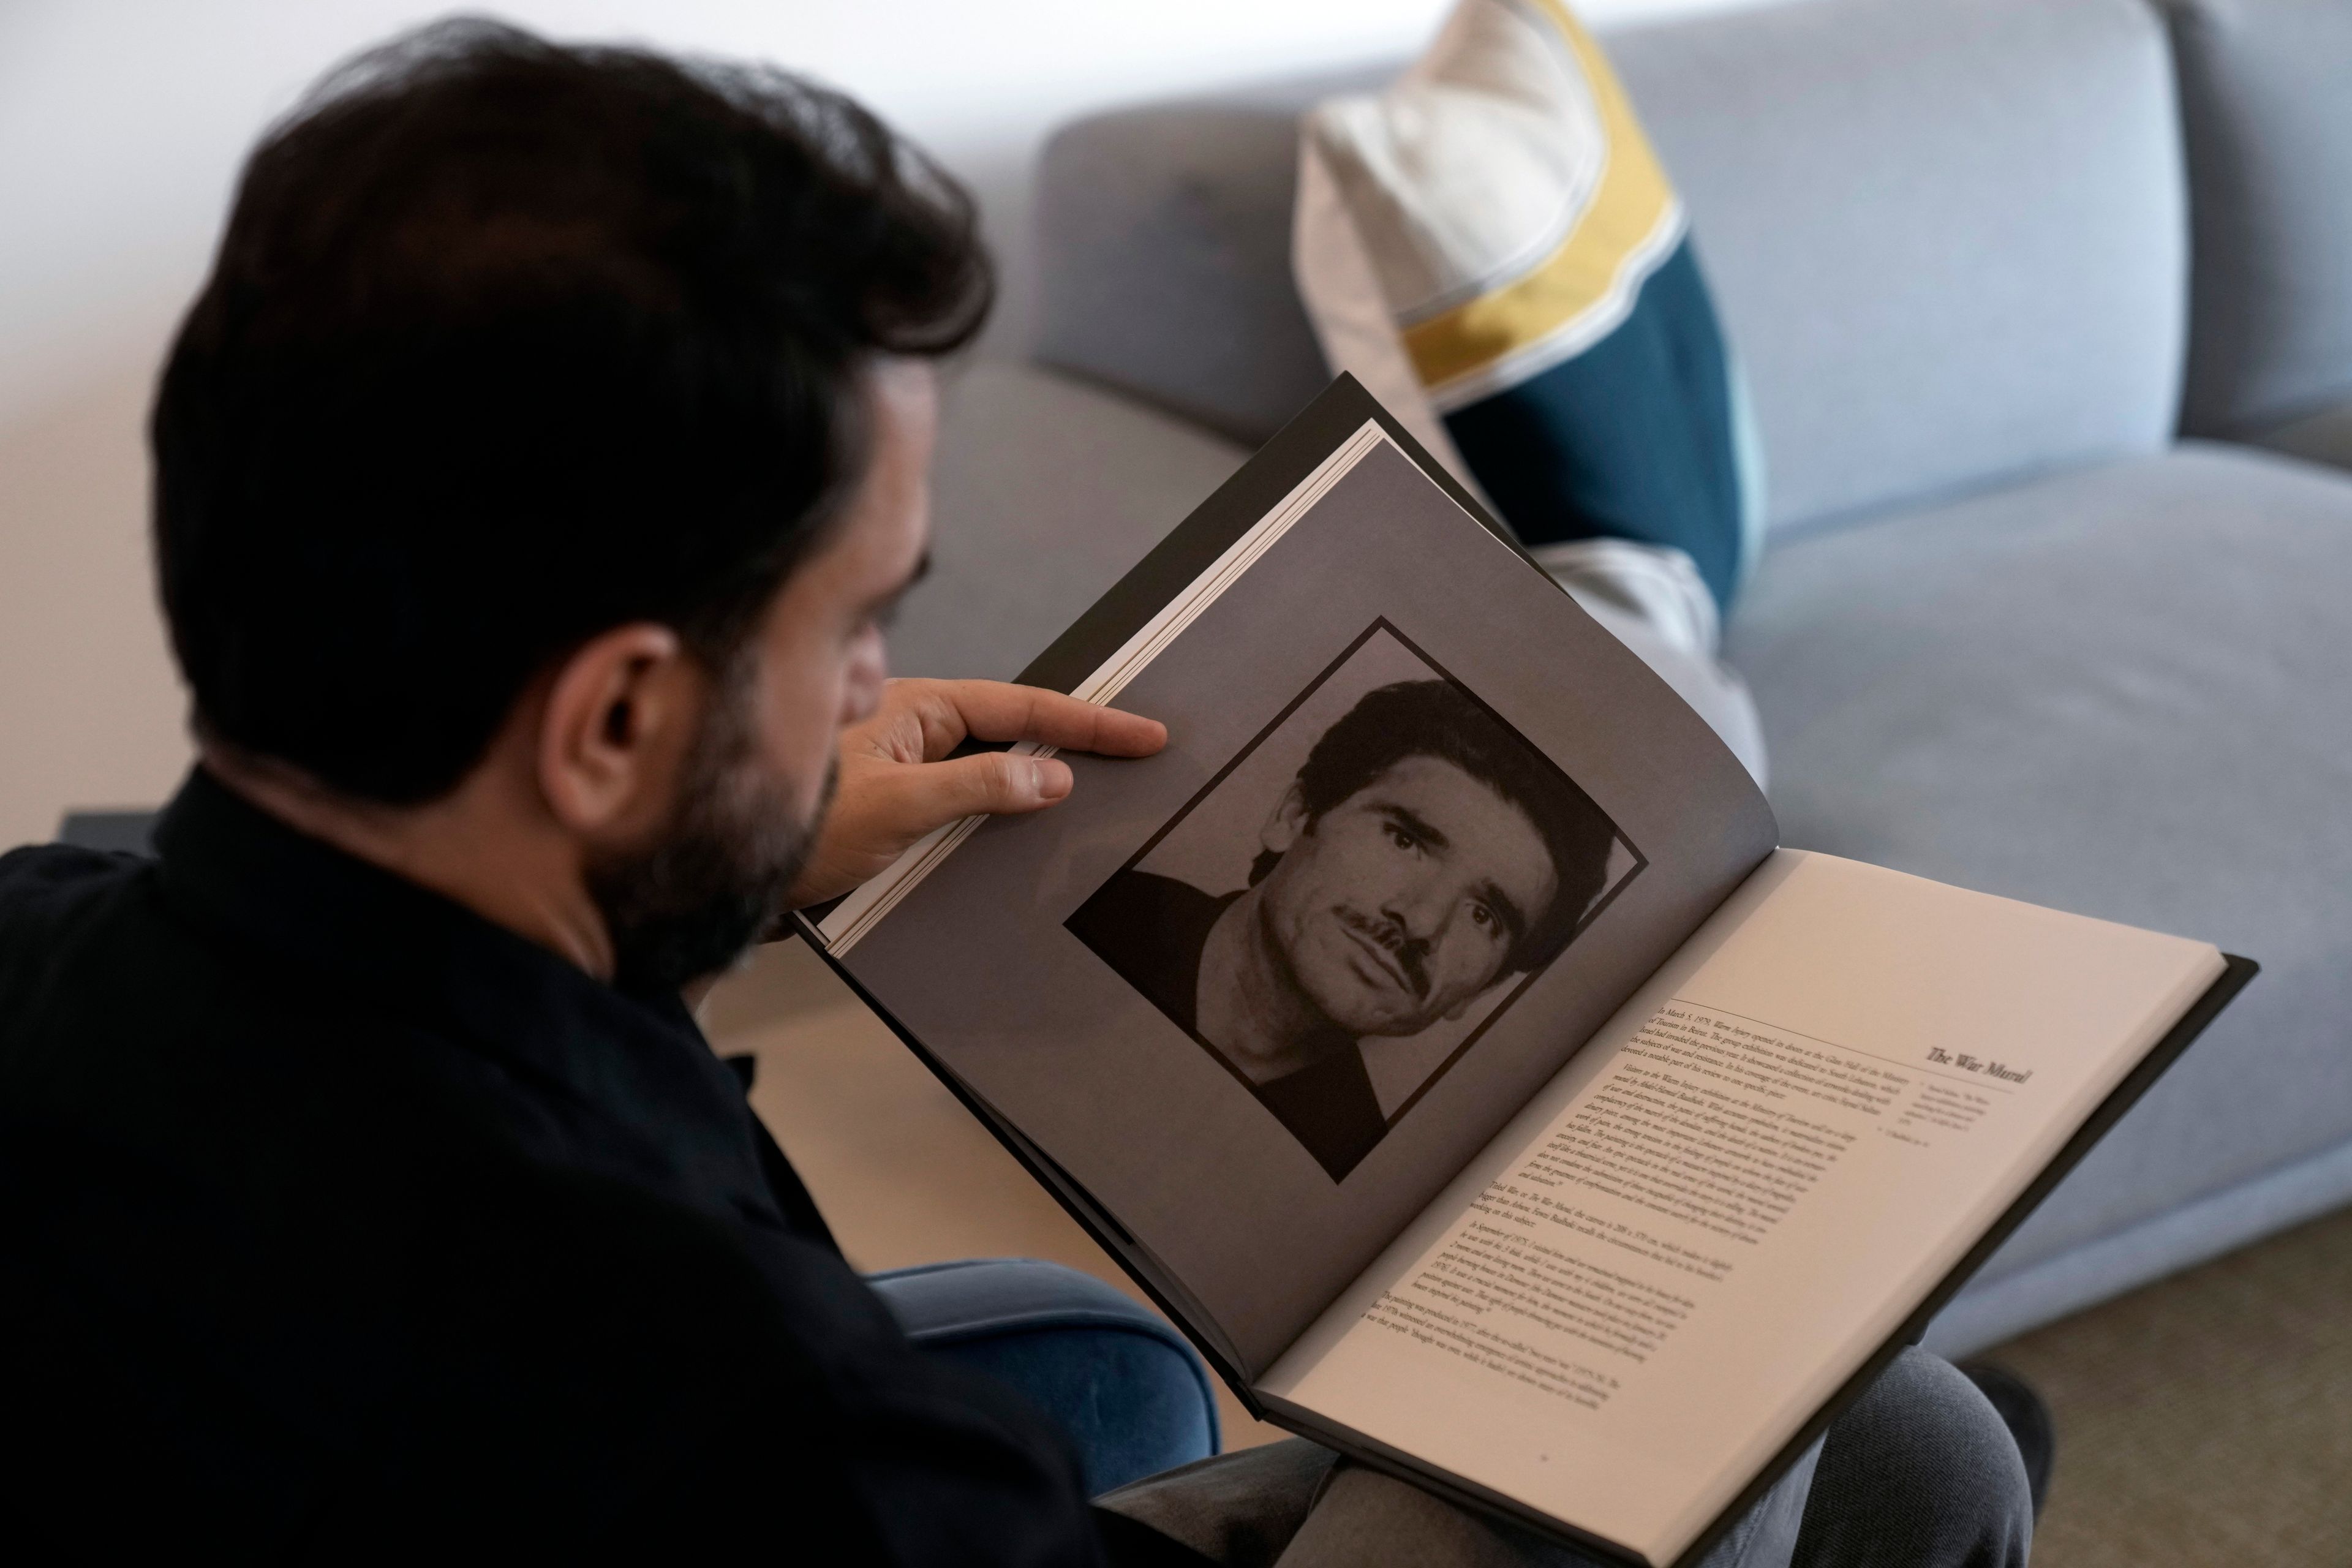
[534,475]
[1423,854]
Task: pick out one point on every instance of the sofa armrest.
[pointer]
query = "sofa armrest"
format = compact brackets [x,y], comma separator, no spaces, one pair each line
[2322,438]
[121,832]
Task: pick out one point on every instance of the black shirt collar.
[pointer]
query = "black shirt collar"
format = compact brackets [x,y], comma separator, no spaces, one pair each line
[631,1072]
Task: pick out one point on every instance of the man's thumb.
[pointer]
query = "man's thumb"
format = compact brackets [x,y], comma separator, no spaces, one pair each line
[996,783]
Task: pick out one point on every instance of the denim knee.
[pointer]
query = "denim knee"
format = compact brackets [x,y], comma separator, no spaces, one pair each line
[1919,1470]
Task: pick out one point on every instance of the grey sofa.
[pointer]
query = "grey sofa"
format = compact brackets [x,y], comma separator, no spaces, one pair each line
[1982,259]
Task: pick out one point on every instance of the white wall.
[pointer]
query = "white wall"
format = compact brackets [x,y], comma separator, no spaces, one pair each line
[121,126]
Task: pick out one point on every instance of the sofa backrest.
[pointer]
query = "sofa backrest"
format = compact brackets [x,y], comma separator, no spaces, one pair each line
[2266,102]
[1163,255]
[1948,237]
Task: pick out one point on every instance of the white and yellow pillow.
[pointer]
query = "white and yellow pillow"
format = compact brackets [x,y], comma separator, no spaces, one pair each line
[1492,246]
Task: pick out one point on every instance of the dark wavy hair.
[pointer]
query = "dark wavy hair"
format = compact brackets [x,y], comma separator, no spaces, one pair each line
[508,343]
[1438,719]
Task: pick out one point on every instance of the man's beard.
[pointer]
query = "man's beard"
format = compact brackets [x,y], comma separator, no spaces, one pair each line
[692,902]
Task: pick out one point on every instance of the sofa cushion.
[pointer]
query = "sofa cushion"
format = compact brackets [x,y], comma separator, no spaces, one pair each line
[1948,237]
[1491,243]
[1046,492]
[2120,691]
[2266,101]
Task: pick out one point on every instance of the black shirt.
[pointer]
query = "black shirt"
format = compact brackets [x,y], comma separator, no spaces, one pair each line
[1153,929]
[336,1221]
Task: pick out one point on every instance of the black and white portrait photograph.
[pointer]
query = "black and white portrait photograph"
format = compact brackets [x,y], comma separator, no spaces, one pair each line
[1356,896]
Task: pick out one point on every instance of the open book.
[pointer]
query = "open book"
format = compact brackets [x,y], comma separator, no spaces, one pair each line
[1438,1032]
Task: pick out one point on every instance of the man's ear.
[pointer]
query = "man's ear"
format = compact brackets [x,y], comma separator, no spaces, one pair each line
[621,712]
[1289,820]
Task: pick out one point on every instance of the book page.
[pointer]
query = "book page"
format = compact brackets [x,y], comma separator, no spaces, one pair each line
[1738,1192]
[1420,827]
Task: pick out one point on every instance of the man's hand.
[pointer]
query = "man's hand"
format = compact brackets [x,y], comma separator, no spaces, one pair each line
[896,786]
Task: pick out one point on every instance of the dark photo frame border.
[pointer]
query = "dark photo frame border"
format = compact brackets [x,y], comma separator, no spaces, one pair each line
[1600,905]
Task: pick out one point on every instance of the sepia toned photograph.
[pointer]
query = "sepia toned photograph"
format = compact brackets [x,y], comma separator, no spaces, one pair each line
[1353,898]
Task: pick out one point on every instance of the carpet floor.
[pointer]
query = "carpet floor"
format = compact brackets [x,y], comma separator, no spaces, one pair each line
[2205,1421]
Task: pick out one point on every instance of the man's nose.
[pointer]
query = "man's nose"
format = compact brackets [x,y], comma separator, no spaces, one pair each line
[1419,913]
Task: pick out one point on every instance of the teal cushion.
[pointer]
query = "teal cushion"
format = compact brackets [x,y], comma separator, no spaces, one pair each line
[1636,437]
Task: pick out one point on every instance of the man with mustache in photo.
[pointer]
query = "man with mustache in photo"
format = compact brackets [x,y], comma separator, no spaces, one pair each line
[1423,854]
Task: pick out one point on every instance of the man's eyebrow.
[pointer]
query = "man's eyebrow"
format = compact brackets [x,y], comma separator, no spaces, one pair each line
[1414,824]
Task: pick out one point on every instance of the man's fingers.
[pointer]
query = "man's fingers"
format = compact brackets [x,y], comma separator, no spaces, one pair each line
[995,710]
[895,788]
[1119,733]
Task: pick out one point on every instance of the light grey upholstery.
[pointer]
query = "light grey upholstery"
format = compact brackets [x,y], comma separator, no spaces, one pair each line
[2121,691]
[1975,202]
[1163,253]
[1945,235]
[2266,101]
[1046,492]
